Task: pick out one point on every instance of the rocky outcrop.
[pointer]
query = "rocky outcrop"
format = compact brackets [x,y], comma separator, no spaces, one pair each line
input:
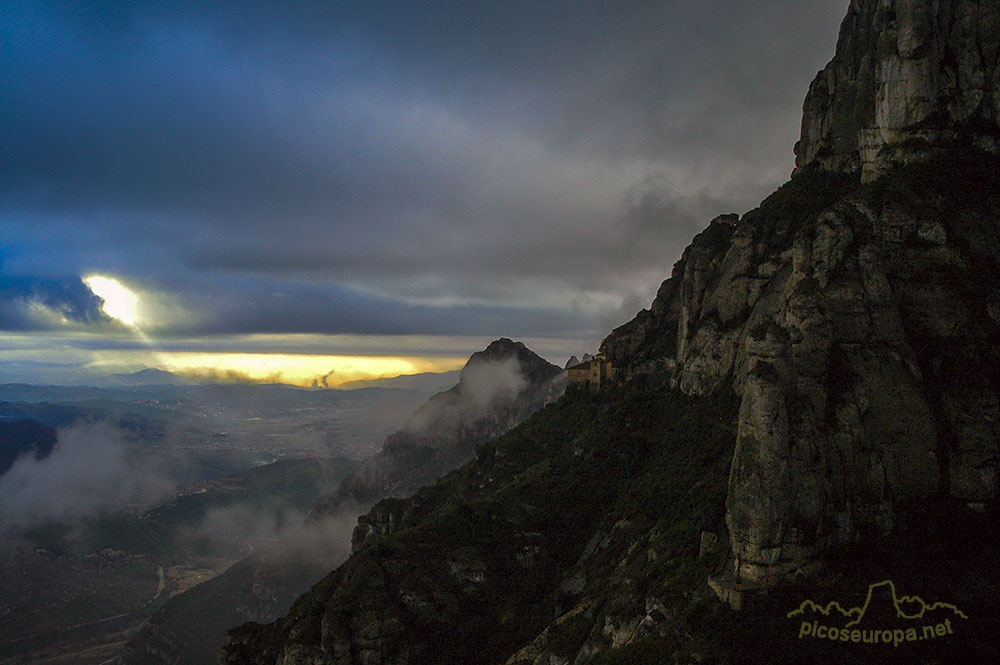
[382,520]
[909,78]
[649,342]
[498,388]
[854,321]
[859,338]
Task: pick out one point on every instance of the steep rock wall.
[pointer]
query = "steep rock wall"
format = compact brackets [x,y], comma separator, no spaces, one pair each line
[855,312]
[861,335]
[909,76]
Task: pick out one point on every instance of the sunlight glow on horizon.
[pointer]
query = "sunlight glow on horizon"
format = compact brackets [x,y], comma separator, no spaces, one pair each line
[74,357]
[299,369]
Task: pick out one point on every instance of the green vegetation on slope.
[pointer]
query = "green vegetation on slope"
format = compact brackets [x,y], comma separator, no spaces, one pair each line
[587,487]
[578,532]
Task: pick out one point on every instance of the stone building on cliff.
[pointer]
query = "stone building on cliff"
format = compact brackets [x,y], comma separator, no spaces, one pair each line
[594,372]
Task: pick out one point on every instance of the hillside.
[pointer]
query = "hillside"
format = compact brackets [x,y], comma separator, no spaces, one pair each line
[498,388]
[24,437]
[477,565]
[576,538]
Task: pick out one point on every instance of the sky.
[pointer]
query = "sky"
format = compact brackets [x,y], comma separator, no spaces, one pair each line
[282,190]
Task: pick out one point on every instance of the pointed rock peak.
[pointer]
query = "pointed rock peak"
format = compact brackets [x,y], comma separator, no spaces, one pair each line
[503,346]
[530,364]
[909,78]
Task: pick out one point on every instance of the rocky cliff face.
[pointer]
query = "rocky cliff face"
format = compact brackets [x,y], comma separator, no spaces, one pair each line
[909,78]
[857,322]
[862,339]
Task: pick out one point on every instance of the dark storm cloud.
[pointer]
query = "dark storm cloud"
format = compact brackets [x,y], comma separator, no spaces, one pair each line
[332,310]
[393,167]
[28,303]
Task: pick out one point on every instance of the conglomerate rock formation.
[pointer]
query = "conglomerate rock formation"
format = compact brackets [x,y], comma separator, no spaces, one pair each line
[909,78]
[858,324]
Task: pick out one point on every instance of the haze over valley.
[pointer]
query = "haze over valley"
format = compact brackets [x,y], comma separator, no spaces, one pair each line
[115,498]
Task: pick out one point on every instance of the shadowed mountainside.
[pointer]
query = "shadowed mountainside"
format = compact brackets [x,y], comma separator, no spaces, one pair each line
[81,586]
[498,388]
[23,437]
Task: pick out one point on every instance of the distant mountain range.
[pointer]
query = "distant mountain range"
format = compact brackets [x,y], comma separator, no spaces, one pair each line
[150,376]
[425,382]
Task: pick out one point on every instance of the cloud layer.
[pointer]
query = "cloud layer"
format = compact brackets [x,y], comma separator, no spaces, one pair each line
[385,168]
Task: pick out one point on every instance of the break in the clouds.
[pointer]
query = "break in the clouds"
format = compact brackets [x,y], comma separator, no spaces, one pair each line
[492,168]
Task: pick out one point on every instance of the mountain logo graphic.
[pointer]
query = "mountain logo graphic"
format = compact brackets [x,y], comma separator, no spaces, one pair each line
[907,607]
[884,617]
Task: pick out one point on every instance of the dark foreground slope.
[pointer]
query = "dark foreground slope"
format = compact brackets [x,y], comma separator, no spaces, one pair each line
[23,437]
[72,592]
[252,519]
[575,536]
[189,628]
[588,510]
